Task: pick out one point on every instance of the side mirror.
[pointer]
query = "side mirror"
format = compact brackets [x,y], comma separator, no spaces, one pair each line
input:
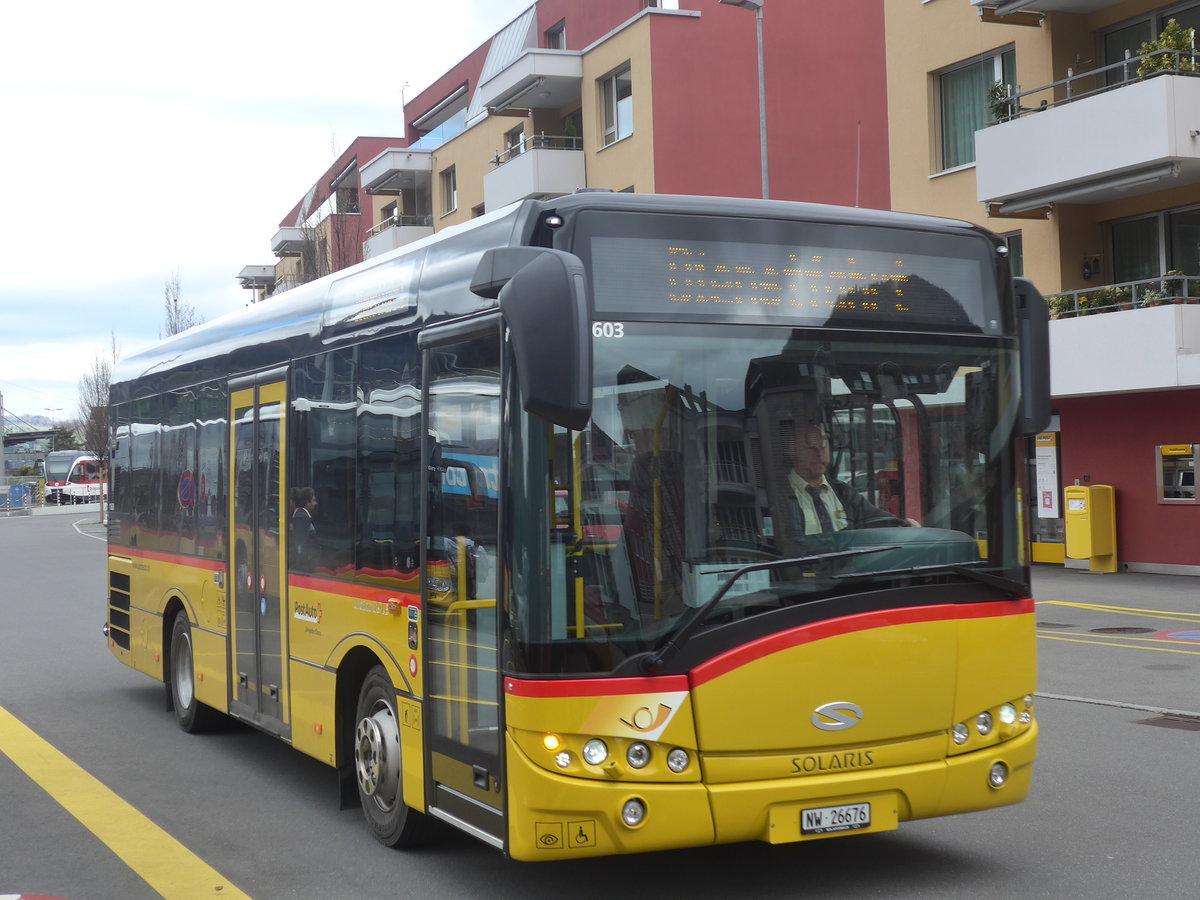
[543,298]
[1033,331]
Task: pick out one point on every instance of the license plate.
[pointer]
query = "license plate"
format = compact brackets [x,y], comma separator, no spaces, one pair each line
[829,819]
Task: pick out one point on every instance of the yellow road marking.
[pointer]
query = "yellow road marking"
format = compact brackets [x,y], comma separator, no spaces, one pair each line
[1169,615]
[156,857]
[1058,637]
[1115,637]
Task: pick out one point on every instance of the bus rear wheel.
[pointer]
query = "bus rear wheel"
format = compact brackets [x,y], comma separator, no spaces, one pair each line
[377,765]
[192,715]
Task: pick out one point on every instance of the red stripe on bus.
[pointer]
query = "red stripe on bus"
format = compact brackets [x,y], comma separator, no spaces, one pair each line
[594,687]
[373,592]
[817,631]
[174,559]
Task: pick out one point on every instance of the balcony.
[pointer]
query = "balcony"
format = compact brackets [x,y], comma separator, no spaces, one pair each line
[290,241]
[1082,141]
[257,278]
[396,232]
[1137,336]
[1007,7]
[394,171]
[537,79]
[540,166]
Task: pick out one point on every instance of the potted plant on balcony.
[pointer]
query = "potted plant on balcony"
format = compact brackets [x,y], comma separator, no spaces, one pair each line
[1106,299]
[1178,288]
[1150,296]
[1000,101]
[1061,306]
[1172,51]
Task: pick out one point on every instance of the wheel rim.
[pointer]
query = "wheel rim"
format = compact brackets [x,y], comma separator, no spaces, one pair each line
[377,756]
[182,677]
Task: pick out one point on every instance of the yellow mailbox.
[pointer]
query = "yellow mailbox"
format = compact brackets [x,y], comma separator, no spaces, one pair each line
[1091,525]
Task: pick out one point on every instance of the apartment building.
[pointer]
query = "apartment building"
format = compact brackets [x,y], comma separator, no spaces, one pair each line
[1053,123]
[327,228]
[629,95]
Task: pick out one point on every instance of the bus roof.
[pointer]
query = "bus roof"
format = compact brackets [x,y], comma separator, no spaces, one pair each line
[424,282]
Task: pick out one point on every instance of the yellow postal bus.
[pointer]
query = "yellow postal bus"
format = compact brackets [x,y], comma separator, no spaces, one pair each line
[605,524]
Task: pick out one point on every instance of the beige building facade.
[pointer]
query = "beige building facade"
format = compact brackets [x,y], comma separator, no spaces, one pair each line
[1072,128]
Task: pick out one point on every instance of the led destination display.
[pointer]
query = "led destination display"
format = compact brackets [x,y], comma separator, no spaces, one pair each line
[833,286]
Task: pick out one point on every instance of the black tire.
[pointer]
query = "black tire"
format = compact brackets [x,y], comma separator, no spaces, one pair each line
[192,715]
[378,767]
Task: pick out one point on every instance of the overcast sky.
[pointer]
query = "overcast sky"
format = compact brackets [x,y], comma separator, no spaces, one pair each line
[141,138]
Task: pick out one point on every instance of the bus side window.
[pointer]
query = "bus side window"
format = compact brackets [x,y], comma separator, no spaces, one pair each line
[321,454]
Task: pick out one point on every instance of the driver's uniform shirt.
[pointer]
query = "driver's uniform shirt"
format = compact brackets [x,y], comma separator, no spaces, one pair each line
[828,498]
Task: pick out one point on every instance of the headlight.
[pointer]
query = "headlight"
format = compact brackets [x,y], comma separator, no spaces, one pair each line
[595,751]
[960,733]
[562,759]
[637,755]
[1008,714]
[678,760]
[633,813]
[983,723]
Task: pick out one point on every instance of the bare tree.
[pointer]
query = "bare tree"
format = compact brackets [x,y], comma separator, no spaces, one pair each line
[93,401]
[331,240]
[179,316]
[93,410]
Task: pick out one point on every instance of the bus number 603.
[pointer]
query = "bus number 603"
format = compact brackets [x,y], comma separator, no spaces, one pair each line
[608,329]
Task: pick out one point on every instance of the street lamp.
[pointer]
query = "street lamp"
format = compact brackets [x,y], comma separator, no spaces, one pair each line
[757,6]
[52,410]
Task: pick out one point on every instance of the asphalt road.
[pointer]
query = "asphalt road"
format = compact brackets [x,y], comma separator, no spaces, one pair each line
[1114,813]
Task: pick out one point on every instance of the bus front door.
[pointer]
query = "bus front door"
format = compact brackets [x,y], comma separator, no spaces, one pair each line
[257,685]
[464,728]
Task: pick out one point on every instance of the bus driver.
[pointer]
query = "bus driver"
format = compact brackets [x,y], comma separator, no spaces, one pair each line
[817,505]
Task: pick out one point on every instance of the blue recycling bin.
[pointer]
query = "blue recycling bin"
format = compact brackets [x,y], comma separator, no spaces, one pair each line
[18,497]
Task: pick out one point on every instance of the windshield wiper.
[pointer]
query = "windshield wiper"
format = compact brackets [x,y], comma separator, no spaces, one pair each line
[654,662]
[964,569]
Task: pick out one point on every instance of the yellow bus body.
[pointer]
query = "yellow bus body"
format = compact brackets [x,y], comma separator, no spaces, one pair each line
[742,718]
[752,774]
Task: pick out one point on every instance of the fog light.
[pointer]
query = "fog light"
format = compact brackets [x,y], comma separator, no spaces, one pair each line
[595,751]
[563,759]
[637,755]
[983,723]
[960,733]
[678,760]
[1026,717]
[998,775]
[1008,714]
[633,813]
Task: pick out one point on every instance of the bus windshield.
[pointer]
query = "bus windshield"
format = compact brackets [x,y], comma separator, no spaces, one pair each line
[703,445]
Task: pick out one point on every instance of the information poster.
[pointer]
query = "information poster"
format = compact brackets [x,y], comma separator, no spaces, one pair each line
[1046,461]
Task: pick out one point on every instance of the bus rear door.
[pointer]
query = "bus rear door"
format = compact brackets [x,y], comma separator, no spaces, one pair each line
[258,683]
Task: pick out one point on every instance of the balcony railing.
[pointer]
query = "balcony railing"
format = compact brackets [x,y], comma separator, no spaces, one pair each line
[538,142]
[1172,287]
[1078,86]
[287,282]
[401,222]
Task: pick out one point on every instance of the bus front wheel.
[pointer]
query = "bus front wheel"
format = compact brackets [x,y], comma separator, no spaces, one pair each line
[192,715]
[377,764]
